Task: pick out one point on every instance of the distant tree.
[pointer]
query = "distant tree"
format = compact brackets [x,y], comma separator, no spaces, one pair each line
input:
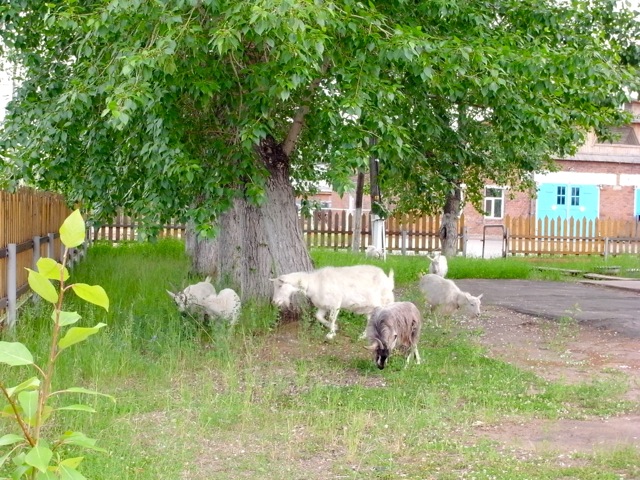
[215,111]
[524,86]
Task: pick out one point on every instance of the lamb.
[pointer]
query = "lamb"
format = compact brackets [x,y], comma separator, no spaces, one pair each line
[374,252]
[193,294]
[358,289]
[445,297]
[225,305]
[397,323]
[438,265]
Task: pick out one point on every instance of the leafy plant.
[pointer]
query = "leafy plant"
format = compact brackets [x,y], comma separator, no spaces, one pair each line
[31,403]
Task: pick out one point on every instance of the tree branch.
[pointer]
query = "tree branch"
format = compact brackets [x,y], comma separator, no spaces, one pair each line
[298,120]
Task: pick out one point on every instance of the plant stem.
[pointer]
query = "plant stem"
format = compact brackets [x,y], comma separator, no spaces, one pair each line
[16,414]
[53,353]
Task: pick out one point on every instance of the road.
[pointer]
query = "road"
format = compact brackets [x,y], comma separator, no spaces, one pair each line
[614,309]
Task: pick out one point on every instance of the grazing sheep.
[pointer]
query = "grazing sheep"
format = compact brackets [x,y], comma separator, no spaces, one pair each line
[438,265]
[225,305]
[193,294]
[358,288]
[397,323]
[374,252]
[445,297]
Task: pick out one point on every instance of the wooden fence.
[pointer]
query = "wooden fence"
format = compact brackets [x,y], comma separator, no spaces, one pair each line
[29,222]
[124,227]
[530,236]
[404,233]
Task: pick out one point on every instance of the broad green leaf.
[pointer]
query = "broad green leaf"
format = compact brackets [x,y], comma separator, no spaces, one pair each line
[10,439]
[73,462]
[51,269]
[29,402]
[5,457]
[39,457]
[72,231]
[92,293]
[85,391]
[80,439]
[78,407]
[69,473]
[15,354]
[46,412]
[20,470]
[48,475]
[33,382]
[42,286]
[66,318]
[7,411]
[19,458]
[78,334]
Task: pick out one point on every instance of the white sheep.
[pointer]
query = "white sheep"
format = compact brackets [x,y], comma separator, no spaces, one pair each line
[192,294]
[397,323]
[358,289]
[373,252]
[225,305]
[438,265]
[445,297]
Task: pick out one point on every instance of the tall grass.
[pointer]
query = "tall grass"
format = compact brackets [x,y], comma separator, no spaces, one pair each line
[264,400]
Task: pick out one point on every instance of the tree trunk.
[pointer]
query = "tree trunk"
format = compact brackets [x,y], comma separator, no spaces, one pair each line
[449,226]
[256,243]
[357,220]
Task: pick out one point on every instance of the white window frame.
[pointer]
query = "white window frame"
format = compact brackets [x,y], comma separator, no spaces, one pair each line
[492,199]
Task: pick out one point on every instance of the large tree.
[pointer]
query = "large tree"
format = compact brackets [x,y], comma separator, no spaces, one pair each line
[215,111]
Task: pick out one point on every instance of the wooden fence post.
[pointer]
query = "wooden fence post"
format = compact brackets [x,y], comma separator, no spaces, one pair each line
[51,245]
[12,280]
[36,251]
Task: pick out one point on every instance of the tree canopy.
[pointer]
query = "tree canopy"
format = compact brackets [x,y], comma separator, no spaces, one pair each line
[159,106]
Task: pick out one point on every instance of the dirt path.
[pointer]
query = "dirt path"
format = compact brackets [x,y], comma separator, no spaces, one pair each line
[570,352]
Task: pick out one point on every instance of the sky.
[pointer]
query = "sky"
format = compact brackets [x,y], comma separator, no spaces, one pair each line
[5,91]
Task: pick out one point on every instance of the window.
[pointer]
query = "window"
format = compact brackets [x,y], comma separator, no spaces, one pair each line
[493,202]
[575,196]
[561,196]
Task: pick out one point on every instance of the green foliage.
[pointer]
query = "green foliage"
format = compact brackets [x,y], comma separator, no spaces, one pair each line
[157,106]
[32,402]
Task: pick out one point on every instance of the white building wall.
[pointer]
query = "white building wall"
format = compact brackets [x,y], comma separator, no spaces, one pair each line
[577,178]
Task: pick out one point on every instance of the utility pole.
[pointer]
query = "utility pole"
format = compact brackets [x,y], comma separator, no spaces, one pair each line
[377,221]
[357,220]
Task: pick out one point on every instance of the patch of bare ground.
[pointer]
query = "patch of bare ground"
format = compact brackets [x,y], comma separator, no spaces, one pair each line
[570,353]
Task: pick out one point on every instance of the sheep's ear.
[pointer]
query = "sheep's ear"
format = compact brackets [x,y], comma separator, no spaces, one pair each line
[273,279]
[171,294]
[480,296]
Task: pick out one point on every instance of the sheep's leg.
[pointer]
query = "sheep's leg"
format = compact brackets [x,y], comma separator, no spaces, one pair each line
[363,335]
[413,353]
[333,316]
[320,317]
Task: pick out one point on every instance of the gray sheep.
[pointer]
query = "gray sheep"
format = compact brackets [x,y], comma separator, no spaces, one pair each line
[398,323]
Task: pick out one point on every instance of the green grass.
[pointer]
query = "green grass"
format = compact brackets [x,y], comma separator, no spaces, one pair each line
[269,401]
[410,267]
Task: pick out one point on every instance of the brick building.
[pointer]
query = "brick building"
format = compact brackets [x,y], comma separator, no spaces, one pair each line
[602,180]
